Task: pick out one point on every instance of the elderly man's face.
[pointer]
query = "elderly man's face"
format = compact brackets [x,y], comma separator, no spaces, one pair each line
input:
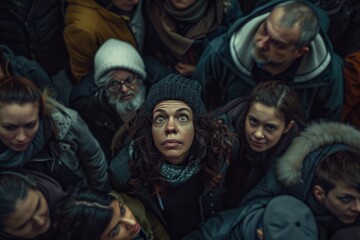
[125,91]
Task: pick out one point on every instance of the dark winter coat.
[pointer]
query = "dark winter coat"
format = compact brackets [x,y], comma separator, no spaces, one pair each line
[38,36]
[225,68]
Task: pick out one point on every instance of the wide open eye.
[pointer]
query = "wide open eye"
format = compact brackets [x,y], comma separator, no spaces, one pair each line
[183,118]
[159,119]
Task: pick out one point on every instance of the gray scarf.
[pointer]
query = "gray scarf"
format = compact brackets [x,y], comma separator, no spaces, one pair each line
[178,174]
[13,159]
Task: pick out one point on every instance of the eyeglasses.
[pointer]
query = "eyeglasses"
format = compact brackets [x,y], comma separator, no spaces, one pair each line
[115,85]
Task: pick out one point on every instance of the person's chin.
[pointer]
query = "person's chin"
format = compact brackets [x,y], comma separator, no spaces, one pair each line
[349,219]
[20,147]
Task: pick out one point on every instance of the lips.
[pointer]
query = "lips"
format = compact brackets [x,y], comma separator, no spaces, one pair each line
[257,144]
[136,230]
[21,146]
[126,97]
[171,143]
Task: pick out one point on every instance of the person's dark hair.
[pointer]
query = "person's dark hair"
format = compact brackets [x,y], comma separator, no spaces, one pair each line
[341,167]
[279,95]
[21,90]
[14,186]
[83,214]
[299,13]
[211,145]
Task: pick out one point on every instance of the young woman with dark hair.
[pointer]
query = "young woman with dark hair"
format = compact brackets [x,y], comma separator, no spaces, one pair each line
[28,201]
[38,133]
[86,214]
[178,157]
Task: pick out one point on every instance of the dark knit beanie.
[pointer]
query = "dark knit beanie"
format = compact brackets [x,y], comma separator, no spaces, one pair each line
[175,87]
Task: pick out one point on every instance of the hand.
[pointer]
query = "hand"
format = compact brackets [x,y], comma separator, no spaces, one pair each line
[185,69]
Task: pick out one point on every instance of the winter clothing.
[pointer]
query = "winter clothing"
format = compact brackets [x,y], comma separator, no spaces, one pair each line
[36,35]
[180,36]
[150,226]
[249,166]
[352,233]
[89,25]
[175,87]
[21,66]
[115,54]
[201,202]
[284,217]
[293,175]
[73,156]
[225,69]
[52,192]
[295,169]
[101,119]
[351,110]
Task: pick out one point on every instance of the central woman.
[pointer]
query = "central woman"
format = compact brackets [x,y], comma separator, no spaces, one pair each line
[178,156]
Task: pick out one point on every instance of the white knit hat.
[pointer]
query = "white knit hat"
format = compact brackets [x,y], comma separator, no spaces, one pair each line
[115,54]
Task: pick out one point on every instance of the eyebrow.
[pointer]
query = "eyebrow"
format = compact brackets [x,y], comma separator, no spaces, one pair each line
[36,208]
[177,111]
[271,38]
[15,125]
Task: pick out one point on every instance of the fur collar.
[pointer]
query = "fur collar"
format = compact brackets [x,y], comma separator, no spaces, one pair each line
[289,165]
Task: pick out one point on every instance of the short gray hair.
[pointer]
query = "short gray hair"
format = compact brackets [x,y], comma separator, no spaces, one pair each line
[300,13]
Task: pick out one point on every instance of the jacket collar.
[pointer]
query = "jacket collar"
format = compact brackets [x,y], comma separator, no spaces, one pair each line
[289,166]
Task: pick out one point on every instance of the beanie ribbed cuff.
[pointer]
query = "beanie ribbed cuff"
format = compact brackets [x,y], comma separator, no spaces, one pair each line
[175,87]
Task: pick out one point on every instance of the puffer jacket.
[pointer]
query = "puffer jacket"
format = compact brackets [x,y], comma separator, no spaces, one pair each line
[74,147]
[38,36]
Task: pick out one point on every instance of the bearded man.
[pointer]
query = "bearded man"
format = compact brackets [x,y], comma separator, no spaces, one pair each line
[119,74]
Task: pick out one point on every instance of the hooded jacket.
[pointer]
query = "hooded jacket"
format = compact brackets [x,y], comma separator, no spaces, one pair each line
[292,174]
[295,169]
[88,25]
[225,68]
[76,148]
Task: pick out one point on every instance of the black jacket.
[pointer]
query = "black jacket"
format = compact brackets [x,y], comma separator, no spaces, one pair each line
[37,36]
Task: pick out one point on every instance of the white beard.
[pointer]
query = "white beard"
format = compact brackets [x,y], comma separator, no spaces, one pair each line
[127,109]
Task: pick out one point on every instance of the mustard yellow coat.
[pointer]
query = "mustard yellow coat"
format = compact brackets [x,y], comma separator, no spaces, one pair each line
[87,26]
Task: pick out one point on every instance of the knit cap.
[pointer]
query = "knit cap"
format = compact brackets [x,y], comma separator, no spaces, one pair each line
[286,217]
[116,54]
[175,87]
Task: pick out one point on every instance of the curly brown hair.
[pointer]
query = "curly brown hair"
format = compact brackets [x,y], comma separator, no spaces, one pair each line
[212,145]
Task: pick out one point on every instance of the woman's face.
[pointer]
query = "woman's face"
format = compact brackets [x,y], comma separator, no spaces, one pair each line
[123,225]
[173,130]
[31,217]
[18,124]
[263,127]
[182,4]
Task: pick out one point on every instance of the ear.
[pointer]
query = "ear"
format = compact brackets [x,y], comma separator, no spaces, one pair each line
[301,52]
[289,126]
[319,193]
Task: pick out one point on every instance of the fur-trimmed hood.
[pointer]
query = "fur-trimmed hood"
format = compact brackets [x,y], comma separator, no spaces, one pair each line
[289,167]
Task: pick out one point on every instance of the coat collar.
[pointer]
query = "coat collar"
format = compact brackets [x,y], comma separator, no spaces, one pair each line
[289,166]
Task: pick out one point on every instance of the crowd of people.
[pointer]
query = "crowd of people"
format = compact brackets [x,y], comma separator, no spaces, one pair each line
[179,119]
